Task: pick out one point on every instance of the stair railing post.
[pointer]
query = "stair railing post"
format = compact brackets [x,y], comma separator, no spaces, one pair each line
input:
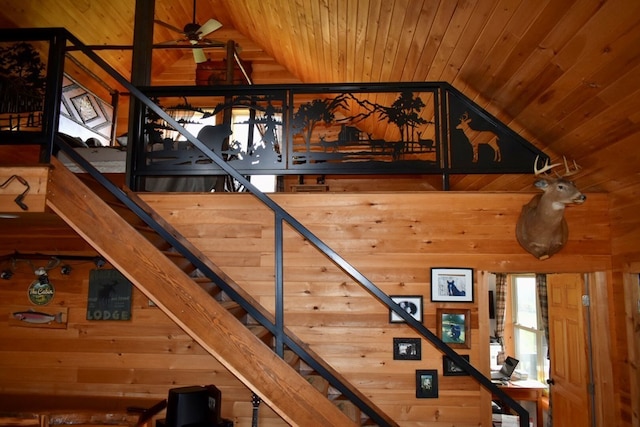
[279,294]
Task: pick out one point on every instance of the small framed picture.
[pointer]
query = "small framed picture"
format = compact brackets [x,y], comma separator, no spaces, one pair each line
[411,303]
[407,349]
[452,284]
[449,367]
[427,383]
[453,327]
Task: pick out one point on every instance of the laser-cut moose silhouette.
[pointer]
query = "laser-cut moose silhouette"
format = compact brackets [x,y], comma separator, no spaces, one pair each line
[542,229]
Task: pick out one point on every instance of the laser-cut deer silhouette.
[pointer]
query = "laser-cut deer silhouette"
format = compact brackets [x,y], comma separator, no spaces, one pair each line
[479,137]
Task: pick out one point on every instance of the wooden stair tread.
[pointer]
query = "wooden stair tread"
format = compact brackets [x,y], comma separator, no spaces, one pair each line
[349,409]
[320,384]
[262,333]
[234,308]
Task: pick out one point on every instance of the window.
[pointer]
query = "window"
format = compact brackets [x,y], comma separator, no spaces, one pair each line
[529,340]
[240,122]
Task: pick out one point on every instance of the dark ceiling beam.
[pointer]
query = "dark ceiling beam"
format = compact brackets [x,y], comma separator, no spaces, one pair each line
[140,76]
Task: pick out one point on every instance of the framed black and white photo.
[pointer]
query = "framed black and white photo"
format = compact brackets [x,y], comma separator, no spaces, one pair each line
[452,284]
[407,349]
[427,383]
[453,327]
[412,305]
[449,367]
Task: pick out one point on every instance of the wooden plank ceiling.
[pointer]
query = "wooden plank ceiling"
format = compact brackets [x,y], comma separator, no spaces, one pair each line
[564,74]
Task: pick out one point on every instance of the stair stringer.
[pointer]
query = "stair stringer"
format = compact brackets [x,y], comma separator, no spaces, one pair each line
[188,305]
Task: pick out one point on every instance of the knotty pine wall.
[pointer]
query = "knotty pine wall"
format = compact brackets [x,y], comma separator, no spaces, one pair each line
[625,336]
[394,239]
[140,358]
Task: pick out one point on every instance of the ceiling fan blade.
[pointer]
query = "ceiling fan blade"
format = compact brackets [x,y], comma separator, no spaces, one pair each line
[169,26]
[208,27]
[199,56]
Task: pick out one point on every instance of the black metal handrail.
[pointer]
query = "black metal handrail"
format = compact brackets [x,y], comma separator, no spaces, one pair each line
[281,216]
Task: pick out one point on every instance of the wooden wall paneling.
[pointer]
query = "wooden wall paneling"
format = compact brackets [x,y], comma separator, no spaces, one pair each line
[459,241]
[320,36]
[623,299]
[330,40]
[523,34]
[598,284]
[322,304]
[445,38]
[35,176]
[27,155]
[26,232]
[191,307]
[389,27]
[306,43]
[384,236]
[142,357]
[631,282]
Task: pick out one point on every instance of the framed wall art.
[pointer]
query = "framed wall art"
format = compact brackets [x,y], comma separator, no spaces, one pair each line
[453,327]
[452,284]
[407,349]
[427,383]
[449,367]
[411,303]
[109,295]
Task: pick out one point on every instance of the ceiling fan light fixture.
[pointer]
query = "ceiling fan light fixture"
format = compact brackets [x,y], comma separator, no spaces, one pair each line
[195,34]
[191,30]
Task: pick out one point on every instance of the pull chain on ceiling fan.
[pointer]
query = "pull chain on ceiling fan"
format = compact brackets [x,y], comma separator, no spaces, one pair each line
[194,34]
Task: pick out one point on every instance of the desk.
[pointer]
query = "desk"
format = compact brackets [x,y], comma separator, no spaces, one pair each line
[51,410]
[529,390]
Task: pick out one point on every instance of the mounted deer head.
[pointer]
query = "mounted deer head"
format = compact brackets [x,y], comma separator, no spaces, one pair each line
[542,229]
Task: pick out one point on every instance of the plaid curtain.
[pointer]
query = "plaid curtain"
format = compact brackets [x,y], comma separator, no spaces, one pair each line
[501,302]
[541,286]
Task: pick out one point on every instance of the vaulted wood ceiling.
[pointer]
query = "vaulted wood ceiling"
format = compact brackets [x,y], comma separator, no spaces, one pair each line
[565,74]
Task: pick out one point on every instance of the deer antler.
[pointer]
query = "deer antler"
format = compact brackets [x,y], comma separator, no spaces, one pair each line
[543,169]
[548,167]
[568,171]
[465,116]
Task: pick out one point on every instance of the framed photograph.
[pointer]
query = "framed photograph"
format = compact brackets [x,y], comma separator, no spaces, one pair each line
[449,368]
[411,303]
[452,284]
[427,383]
[407,349]
[453,327]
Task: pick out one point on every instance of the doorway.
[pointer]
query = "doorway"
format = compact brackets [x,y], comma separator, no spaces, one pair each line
[570,376]
[569,371]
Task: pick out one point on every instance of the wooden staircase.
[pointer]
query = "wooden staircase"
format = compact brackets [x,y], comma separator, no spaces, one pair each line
[222,326]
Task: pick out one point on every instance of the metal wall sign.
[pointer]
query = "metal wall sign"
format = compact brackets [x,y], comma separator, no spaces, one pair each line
[109,296]
[41,291]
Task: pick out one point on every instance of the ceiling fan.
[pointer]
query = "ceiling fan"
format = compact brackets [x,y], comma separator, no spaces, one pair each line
[194,34]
